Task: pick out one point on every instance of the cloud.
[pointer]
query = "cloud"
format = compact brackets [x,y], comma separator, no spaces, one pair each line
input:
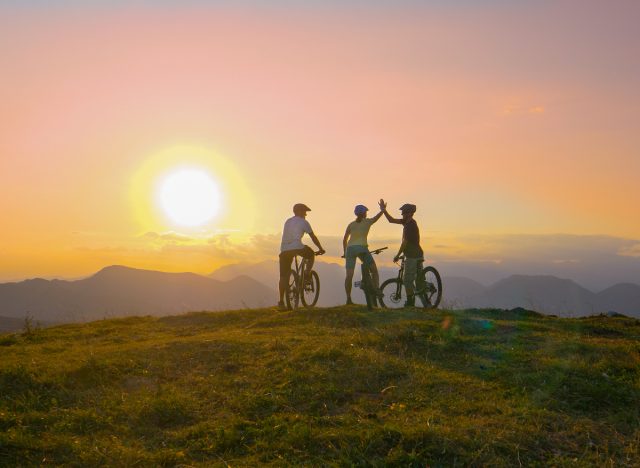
[630,251]
[519,109]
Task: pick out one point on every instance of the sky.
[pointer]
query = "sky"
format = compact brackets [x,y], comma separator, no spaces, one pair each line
[513,126]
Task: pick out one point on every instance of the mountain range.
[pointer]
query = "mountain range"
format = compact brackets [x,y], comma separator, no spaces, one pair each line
[542,293]
[118,291]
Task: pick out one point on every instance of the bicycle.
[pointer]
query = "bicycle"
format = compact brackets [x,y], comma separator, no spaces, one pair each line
[429,288]
[366,283]
[297,292]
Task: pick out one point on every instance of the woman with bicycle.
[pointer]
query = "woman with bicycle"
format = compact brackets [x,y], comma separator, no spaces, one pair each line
[354,245]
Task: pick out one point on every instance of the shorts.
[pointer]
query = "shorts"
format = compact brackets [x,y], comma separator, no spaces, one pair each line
[286,258]
[359,251]
[411,268]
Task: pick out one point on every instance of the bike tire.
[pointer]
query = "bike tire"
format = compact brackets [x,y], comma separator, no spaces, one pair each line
[434,293]
[292,294]
[311,293]
[393,296]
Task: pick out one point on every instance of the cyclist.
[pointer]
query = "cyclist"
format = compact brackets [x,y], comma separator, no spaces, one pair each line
[294,228]
[354,244]
[410,247]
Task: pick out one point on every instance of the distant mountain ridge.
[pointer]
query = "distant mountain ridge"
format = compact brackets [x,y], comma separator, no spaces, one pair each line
[543,293]
[117,291]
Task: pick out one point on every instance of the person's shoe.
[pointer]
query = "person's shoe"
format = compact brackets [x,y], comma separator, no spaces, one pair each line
[283,306]
[426,303]
[349,302]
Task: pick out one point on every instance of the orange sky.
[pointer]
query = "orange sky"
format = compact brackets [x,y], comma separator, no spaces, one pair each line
[493,118]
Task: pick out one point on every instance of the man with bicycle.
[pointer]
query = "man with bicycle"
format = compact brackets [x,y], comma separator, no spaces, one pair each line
[355,245]
[291,245]
[410,247]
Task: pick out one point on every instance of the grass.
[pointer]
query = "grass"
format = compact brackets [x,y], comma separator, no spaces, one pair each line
[338,386]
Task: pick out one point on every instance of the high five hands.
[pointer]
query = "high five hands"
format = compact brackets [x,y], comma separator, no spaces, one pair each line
[383,205]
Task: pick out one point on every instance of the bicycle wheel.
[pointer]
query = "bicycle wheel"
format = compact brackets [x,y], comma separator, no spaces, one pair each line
[292,295]
[311,290]
[367,288]
[433,287]
[393,294]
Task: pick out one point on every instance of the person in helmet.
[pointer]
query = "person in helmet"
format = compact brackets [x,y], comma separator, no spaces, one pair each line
[410,247]
[291,245]
[354,244]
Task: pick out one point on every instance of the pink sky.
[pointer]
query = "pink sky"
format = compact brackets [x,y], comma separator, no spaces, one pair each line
[494,118]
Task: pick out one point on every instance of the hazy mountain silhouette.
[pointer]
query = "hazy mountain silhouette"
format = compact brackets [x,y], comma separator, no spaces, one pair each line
[543,293]
[546,294]
[118,291]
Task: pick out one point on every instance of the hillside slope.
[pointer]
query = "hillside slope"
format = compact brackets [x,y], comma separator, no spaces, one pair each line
[327,386]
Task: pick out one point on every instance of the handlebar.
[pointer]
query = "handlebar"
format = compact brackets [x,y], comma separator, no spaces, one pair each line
[374,252]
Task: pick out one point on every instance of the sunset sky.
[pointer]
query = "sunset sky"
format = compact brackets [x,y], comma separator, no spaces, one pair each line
[514,126]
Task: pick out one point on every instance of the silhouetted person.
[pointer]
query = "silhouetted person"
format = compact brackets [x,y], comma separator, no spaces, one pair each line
[294,228]
[410,247]
[355,245]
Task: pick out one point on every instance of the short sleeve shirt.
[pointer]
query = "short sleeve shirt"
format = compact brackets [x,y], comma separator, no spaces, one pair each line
[359,232]
[294,228]
[411,235]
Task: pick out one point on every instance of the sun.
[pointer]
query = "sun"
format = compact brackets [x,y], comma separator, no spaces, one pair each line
[189,197]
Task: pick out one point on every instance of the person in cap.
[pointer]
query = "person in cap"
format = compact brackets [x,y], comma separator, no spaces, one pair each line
[410,247]
[354,245]
[291,245]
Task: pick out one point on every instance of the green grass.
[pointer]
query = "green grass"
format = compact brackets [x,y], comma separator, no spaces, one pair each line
[339,386]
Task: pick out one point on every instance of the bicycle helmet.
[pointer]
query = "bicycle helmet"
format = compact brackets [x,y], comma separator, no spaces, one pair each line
[360,210]
[300,208]
[408,208]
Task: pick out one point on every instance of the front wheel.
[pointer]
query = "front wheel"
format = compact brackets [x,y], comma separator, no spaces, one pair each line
[432,287]
[292,296]
[311,290]
[393,291]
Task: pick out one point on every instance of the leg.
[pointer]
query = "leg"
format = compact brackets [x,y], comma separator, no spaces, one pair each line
[350,266]
[310,256]
[375,277]
[285,268]
[410,267]
[348,284]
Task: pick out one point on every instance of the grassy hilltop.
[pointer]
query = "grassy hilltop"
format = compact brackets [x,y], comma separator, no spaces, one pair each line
[339,386]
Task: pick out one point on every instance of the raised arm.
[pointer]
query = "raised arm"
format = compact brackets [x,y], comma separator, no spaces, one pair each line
[376,217]
[391,219]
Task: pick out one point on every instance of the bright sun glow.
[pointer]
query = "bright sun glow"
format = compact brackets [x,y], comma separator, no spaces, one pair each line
[189,197]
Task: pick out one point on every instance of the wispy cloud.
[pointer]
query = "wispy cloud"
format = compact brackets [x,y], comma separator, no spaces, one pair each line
[630,251]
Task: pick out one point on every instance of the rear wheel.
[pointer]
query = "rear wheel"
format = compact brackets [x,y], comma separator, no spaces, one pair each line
[311,290]
[392,290]
[367,289]
[432,290]
[292,296]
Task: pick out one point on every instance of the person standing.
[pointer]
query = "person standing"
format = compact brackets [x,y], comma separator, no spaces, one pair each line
[355,245]
[291,245]
[410,247]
